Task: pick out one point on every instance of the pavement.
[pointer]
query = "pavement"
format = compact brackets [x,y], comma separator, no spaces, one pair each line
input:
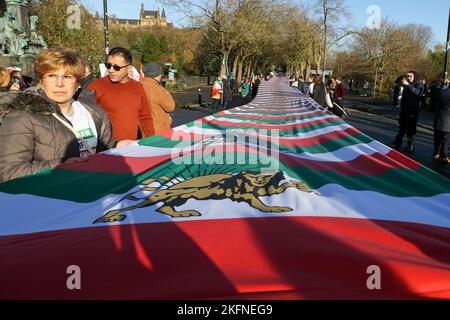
[384,109]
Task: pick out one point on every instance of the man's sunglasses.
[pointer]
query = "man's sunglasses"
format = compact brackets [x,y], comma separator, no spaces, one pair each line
[115,67]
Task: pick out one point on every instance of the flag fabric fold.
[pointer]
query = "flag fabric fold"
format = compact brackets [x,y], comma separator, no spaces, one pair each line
[276,199]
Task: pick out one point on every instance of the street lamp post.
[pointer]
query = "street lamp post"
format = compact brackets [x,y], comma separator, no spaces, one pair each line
[105,27]
[447,48]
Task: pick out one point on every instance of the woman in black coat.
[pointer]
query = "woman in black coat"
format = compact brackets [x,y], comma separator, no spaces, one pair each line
[227,93]
[442,128]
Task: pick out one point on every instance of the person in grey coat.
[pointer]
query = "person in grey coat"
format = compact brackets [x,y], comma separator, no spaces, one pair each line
[41,128]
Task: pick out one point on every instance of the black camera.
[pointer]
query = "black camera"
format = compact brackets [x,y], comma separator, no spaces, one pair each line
[15,80]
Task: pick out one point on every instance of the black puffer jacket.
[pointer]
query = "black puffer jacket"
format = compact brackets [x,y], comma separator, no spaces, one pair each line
[412,94]
[31,139]
[442,115]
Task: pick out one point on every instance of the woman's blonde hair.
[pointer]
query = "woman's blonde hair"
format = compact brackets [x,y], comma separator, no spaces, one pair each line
[53,59]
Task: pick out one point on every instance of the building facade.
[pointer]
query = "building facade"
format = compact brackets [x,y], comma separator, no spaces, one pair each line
[147,19]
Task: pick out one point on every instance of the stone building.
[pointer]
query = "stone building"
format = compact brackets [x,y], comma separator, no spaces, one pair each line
[147,19]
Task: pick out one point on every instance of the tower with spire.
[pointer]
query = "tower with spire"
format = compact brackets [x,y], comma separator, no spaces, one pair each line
[147,18]
[163,19]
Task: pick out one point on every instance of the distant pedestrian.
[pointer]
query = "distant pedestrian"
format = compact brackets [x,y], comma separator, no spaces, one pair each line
[442,128]
[350,84]
[302,85]
[227,92]
[435,96]
[216,93]
[332,86]
[319,92]
[339,92]
[365,89]
[310,84]
[409,110]
[245,90]
[255,86]
[424,98]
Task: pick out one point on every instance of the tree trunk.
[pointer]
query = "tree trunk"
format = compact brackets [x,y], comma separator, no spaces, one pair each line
[223,70]
[375,82]
[248,68]
[302,69]
[235,63]
[239,72]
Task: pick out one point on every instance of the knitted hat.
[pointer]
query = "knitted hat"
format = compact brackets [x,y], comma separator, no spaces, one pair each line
[152,70]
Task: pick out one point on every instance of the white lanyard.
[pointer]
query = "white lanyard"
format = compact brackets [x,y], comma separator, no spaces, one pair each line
[88,147]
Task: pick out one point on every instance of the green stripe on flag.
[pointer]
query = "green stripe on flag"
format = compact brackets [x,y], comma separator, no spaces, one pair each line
[80,186]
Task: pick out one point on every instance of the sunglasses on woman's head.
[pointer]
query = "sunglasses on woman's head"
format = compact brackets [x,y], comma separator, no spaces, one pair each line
[115,67]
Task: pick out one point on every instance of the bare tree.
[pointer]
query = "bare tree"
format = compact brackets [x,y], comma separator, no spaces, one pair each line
[330,12]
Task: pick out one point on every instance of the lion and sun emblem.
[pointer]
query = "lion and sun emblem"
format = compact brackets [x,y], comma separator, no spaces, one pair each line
[241,187]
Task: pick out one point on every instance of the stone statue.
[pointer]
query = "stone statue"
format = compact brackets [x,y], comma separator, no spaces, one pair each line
[18,34]
[37,42]
[16,2]
[3,48]
[15,36]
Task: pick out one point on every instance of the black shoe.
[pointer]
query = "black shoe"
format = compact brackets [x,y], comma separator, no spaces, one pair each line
[395,145]
[410,148]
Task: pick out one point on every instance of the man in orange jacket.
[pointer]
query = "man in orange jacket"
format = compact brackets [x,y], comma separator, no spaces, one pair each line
[160,101]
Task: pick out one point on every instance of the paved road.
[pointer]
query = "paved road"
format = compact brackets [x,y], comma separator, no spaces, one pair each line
[375,118]
[384,130]
[188,105]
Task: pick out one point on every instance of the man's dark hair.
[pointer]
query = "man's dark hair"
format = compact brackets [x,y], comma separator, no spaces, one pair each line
[119,51]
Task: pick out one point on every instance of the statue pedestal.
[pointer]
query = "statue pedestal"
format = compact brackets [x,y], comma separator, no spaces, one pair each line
[26,63]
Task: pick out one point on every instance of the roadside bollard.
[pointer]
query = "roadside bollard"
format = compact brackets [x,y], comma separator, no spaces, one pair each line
[200,97]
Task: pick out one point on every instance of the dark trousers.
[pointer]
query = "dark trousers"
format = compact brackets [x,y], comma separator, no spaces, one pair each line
[216,105]
[226,104]
[408,123]
[441,141]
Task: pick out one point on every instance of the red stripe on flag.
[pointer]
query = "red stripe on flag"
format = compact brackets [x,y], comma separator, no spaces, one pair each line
[268,117]
[301,257]
[265,126]
[116,164]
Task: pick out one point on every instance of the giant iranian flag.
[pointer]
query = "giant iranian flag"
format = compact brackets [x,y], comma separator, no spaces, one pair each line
[276,199]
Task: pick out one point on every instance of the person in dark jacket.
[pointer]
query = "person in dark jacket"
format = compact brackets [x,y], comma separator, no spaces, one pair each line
[88,78]
[409,110]
[302,85]
[227,92]
[319,92]
[435,96]
[41,128]
[442,128]
[255,86]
